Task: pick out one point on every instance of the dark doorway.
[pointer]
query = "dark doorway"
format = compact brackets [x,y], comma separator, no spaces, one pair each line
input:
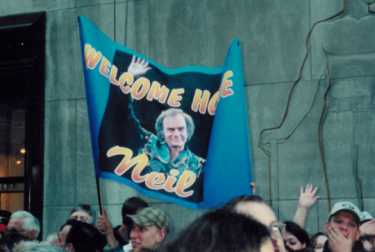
[22,65]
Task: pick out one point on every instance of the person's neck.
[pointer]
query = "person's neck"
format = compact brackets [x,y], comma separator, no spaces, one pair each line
[174,152]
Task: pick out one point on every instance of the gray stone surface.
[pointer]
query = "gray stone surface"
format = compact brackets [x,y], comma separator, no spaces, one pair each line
[115,193]
[84,3]
[64,63]
[54,217]
[180,32]
[286,208]
[179,217]
[60,154]
[26,6]
[85,170]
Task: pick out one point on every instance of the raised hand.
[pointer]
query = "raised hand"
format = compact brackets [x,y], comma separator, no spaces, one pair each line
[138,66]
[105,227]
[307,196]
[103,223]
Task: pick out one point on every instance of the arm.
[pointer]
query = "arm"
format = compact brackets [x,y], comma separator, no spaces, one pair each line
[307,198]
[105,227]
[137,67]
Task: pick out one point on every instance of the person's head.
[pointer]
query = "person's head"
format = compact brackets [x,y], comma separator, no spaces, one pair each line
[222,231]
[131,206]
[367,232]
[82,212]
[295,237]
[84,237]
[253,206]
[318,240]
[34,246]
[150,228]
[175,127]
[345,217]
[25,224]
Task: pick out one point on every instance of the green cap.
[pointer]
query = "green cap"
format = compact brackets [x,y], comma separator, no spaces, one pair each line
[150,216]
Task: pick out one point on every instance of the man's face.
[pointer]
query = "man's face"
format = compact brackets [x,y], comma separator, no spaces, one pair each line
[146,237]
[17,225]
[292,242]
[175,131]
[346,223]
[81,216]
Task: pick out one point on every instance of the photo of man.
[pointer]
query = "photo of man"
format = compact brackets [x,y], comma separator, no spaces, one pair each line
[168,149]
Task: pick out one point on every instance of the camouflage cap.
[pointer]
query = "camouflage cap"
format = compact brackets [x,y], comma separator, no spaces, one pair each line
[150,216]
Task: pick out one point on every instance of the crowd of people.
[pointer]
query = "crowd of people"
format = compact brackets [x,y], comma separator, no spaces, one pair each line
[245,224]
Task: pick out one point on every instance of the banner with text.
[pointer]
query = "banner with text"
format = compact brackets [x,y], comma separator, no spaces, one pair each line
[178,134]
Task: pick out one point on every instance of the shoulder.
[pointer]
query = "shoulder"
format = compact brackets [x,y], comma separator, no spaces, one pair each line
[195,158]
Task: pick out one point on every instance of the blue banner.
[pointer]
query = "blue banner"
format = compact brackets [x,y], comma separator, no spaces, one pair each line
[177,134]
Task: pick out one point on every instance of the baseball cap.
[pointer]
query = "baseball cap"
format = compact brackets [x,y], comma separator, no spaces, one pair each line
[346,206]
[150,216]
[366,216]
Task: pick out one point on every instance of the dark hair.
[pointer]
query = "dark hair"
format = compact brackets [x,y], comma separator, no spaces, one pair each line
[131,206]
[298,232]
[220,231]
[69,222]
[85,237]
[230,205]
[4,216]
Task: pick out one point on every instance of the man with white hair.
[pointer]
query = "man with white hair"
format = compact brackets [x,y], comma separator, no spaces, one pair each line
[25,224]
[35,246]
[22,226]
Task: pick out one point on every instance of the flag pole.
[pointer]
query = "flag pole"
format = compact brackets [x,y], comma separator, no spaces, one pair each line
[99,194]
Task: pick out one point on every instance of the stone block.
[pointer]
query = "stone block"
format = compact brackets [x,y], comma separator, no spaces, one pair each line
[60,153]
